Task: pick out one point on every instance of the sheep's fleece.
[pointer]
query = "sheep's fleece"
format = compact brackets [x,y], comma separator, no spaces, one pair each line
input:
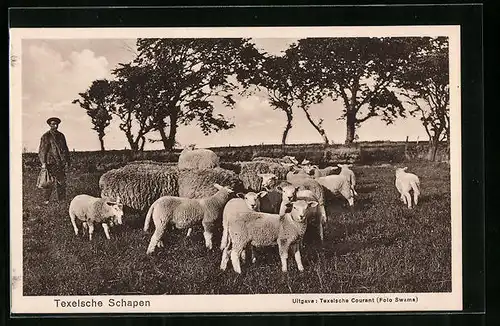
[250,170]
[139,185]
[197,159]
[200,183]
[88,208]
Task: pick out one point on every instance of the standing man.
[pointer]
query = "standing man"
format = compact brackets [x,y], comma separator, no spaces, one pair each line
[54,156]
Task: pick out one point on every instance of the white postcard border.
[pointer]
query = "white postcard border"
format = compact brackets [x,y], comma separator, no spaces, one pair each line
[233,303]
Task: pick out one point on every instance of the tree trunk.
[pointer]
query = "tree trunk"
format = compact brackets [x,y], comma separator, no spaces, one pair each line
[143,141]
[288,126]
[101,140]
[351,128]
[317,126]
[433,149]
[131,141]
[170,143]
[164,137]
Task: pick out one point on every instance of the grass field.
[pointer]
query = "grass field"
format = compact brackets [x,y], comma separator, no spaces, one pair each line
[379,247]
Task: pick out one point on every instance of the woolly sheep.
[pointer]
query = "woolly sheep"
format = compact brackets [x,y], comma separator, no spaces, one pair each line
[250,170]
[199,158]
[349,174]
[245,202]
[262,229]
[405,182]
[199,183]
[138,185]
[271,182]
[293,193]
[185,213]
[297,175]
[338,184]
[92,210]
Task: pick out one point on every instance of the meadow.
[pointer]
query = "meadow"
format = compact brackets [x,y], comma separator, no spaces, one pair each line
[380,246]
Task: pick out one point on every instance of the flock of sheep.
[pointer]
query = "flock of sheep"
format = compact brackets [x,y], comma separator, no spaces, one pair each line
[271,202]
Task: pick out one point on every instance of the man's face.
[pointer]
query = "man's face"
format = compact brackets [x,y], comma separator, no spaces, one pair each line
[53,125]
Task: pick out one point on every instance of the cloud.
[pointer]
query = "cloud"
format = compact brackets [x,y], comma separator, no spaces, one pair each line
[49,76]
[50,82]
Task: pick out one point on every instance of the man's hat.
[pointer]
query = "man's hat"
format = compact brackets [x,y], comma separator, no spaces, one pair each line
[55,119]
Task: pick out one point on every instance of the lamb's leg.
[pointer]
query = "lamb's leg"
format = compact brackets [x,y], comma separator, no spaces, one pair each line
[235,260]
[85,228]
[416,193]
[243,255]
[189,232]
[105,226]
[254,257]
[283,251]
[408,199]
[157,235]
[72,216]
[225,258]
[207,234]
[298,258]
[91,229]
[320,226]
[322,211]
[160,244]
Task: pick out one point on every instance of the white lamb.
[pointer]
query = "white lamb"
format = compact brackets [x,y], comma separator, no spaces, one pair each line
[261,230]
[338,184]
[405,182]
[185,213]
[289,191]
[349,174]
[92,210]
[246,202]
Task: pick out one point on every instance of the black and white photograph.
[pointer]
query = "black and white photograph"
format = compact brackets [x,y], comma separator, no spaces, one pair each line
[276,169]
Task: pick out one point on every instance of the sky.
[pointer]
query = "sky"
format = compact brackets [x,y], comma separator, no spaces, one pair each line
[55,71]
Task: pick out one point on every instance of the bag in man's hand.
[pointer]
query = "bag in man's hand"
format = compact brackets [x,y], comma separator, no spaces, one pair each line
[45,180]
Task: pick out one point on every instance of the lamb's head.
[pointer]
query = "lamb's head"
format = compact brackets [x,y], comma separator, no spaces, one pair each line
[291,159]
[288,166]
[299,210]
[288,193]
[268,180]
[309,169]
[401,171]
[344,166]
[252,199]
[116,210]
[225,189]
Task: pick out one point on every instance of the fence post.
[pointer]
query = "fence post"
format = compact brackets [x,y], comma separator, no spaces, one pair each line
[407,156]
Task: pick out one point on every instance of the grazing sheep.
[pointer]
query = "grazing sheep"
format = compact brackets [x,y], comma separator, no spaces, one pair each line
[271,183]
[250,171]
[297,175]
[329,170]
[138,185]
[92,210]
[293,193]
[185,213]
[338,184]
[200,183]
[199,158]
[263,229]
[405,182]
[349,174]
